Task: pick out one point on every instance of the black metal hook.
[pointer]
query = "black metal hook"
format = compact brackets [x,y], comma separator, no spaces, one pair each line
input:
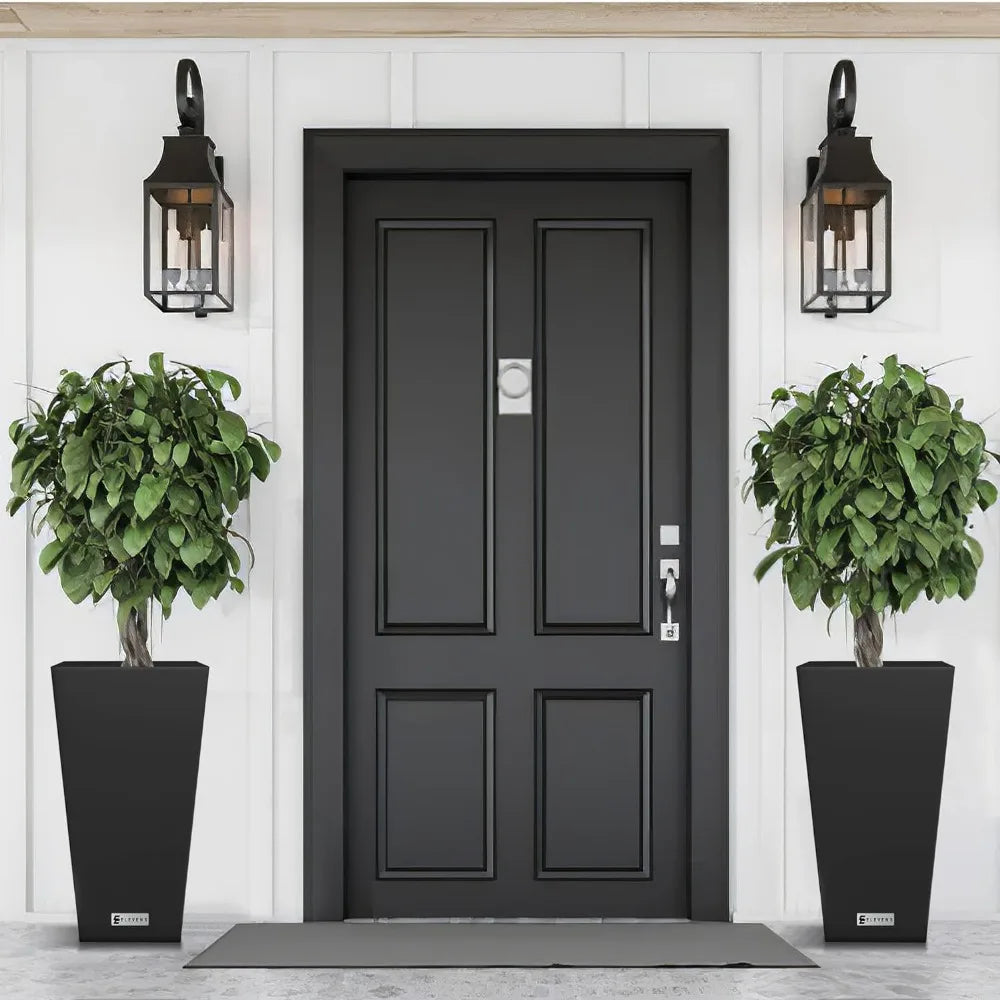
[190,109]
[840,110]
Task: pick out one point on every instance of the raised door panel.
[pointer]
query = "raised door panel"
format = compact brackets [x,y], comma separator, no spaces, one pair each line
[592,427]
[434,299]
[435,784]
[592,751]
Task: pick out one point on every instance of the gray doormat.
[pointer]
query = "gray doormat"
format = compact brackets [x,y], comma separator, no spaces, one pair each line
[426,944]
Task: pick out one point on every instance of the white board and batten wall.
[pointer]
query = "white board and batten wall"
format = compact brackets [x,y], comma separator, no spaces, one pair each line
[80,127]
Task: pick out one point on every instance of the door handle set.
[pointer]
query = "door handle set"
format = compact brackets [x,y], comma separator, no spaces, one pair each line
[670,571]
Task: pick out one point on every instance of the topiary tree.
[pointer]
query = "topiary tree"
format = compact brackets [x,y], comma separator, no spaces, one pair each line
[137,475]
[871,483]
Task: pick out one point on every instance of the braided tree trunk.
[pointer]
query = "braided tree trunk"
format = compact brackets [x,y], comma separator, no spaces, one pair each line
[135,640]
[868,639]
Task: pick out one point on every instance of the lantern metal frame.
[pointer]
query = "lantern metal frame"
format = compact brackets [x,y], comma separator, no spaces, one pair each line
[189,163]
[845,162]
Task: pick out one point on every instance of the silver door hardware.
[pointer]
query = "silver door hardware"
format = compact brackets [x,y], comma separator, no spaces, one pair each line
[670,630]
[514,385]
[670,534]
[668,566]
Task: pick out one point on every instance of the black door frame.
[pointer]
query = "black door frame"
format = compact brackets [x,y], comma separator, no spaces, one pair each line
[699,156]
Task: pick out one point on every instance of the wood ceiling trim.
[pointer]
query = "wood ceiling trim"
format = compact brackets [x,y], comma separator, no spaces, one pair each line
[414,20]
[10,23]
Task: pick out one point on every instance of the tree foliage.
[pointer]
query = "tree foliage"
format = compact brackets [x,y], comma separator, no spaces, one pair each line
[137,476]
[871,483]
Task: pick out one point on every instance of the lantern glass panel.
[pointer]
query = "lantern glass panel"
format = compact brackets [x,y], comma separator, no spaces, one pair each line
[226,251]
[853,249]
[183,249]
[810,247]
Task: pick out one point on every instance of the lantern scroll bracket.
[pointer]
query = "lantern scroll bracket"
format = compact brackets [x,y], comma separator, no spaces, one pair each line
[840,109]
[190,107]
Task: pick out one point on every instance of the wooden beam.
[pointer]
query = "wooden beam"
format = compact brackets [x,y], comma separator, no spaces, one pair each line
[10,23]
[492,20]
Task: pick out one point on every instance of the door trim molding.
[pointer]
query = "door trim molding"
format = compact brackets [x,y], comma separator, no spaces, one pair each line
[700,156]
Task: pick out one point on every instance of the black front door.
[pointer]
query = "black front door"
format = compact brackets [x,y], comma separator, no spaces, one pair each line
[517,732]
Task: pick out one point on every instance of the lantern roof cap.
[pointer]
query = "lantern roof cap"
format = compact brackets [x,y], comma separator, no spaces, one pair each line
[186,161]
[846,160]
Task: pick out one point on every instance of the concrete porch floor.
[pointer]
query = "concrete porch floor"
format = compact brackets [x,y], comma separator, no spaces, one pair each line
[45,962]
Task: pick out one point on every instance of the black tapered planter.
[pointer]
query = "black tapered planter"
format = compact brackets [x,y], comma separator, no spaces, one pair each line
[875,743]
[130,741]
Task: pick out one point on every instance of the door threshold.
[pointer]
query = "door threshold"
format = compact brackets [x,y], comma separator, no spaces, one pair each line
[517,920]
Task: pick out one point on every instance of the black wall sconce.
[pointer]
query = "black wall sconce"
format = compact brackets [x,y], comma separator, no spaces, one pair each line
[188,238]
[846,214]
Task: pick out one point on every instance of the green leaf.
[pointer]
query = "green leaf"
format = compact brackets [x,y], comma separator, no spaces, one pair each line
[769,560]
[75,462]
[163,560]
[865,529]
[928,541]
[826,550]
[99,513]
[183,499]
[907,456]
[182,451]
[892,480]
[921,478]
[892,371]
[101,583]
[914,379]
[137,534]
[193,553]
[825,506]
[934,415]
[149,494]
[911,594]
[177,534]
[870,501]
[273,450]
[987,493]
[161,452]
[975,550]
[803,579]
[928,506]
[50,555]
[232,429]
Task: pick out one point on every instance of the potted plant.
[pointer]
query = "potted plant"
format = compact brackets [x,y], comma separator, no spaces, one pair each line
[870,483]
[136,475]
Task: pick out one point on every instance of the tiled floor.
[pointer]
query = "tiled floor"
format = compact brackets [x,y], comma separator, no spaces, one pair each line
[45,962]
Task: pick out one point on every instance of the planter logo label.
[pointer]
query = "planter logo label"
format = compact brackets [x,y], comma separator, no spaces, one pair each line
[876,919]
[129,919]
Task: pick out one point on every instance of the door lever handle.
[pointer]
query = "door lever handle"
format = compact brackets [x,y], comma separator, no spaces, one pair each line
[669,629]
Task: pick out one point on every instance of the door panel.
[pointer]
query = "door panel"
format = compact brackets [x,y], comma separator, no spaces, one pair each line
[436,439]
[592,296]
[435,784]
[592,795]
[517,734]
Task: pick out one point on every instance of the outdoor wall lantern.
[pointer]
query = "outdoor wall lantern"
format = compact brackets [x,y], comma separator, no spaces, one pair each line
[846,214]
[188,240]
